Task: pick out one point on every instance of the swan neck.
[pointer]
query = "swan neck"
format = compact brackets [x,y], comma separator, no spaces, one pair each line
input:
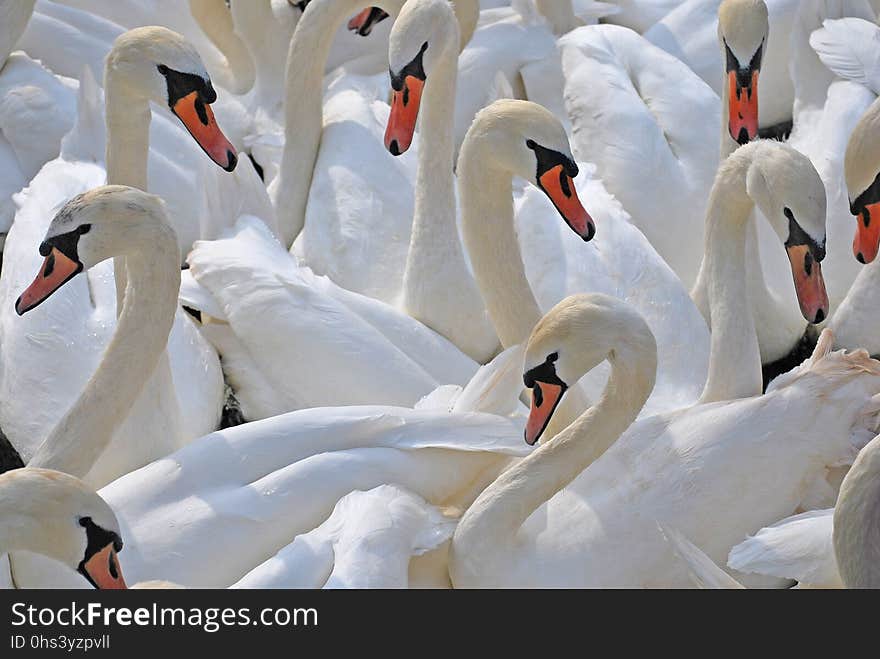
[303,105]
[128,362]
[435,246]
[560,14]
[734,358]
[491,524]
[486,193]
[857,521]
[216,21]
[14,17]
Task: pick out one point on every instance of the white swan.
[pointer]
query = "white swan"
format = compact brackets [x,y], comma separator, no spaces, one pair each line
[582,509]
[519,138]
[58,516]
[82,314]
[690,32]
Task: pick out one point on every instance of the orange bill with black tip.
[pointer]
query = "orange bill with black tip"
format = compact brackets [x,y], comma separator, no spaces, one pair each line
[808,283]
[867,239]
[559,186]
[103,570]
[404,115]
[198,117]
[545,399]
[57,270]
[743,108]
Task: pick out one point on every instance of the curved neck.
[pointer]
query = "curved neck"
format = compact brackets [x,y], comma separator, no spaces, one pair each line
[492,522]
[467,12]
[560,14]
[857,521]
[267,39]
[490,238]
[734,359]
[129,360]
[303,104]
[14,17]
[215,19]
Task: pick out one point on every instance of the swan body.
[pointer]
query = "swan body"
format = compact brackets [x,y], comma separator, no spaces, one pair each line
[663,134]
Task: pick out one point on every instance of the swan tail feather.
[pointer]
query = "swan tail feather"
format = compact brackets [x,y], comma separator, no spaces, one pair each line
[701,569]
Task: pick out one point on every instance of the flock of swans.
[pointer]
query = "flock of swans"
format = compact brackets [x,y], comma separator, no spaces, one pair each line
[277,276]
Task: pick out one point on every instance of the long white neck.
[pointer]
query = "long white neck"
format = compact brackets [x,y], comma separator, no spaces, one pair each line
[857,521]
[560,14]
[489,527]
[215,19]
[14,17]
[486,194]
[439,290]
[303,105]
[137,346]
[267,38]
[735,359]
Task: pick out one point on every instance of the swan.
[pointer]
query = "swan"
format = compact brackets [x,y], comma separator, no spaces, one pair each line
[690,33]
[582,509]
[519,138]
[148,63]
[438,289]
[58,516]
[215,18]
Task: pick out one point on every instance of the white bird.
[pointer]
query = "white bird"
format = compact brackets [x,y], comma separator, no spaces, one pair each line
[582,510]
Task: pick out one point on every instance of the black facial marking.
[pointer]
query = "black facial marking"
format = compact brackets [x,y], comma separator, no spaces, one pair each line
[545,372]
[301,5]
[66,243]
[743,75]
[867,198]
[797,236]
[183,84]
[98,538]
[415,69]
[548,159]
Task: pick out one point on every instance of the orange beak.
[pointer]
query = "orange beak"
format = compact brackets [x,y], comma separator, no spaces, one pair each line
[559,186]
[543,406]
[103,570]
[743,121]
[867,239]
[404,114]
[808,283]
[199,120]
[57,270]
[364,22]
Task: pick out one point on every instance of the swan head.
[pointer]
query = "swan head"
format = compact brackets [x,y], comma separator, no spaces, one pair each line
[862,167]
[526,140]
[421,37]
[787,188]
[573,338]
[363,23]
[159,65]
[57,515]
[743,28]
[112,220]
